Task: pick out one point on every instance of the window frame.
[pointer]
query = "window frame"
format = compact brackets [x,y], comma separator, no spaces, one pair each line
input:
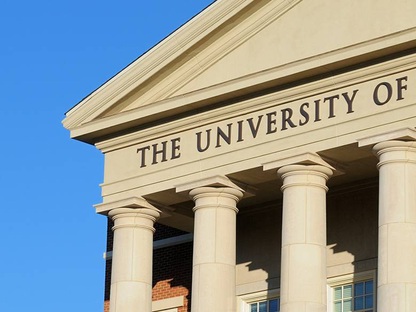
[244,301]
[351,279]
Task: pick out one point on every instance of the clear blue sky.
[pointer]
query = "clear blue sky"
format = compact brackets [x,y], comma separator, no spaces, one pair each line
[52,54]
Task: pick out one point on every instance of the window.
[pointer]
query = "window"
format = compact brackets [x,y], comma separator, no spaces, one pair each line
[272,305]
[259,301]
[354,297]
[353,293]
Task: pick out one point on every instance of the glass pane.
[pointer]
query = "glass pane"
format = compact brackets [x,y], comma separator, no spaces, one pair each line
[358,289]
[253,307]
[338,307]
[369,287]
[358,303]
[263,306]
[369,301]
[347,306]
[273,305]
[338,293]
[348,291]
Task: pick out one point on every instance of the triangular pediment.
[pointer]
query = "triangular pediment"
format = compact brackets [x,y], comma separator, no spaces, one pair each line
[235,47]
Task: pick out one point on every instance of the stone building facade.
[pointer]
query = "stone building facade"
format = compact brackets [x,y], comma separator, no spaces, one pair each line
[262,158]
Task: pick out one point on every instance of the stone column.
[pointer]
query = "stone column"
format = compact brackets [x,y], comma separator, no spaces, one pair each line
[213,275]
[397,226]
[303,267]
[131,276]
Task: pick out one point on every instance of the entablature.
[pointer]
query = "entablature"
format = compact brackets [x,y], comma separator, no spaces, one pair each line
[326,118]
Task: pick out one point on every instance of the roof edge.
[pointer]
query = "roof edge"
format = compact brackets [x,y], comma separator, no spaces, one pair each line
[153,61]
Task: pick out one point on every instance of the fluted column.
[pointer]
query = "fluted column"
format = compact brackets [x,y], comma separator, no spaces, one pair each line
[131,276]
[213,276]
[397,226]
[303,265]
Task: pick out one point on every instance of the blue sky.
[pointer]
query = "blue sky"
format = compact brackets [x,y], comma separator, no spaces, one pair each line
[52,54]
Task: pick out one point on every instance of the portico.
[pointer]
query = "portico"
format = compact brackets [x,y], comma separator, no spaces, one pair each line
[292,166]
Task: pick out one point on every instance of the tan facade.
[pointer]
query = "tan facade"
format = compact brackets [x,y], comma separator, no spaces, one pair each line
[281,136]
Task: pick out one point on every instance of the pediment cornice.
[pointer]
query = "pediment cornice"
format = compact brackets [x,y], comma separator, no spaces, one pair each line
[251,83]
[138,97]
[153,61]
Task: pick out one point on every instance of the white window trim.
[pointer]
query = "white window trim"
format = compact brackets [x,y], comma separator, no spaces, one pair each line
[168,305]
[350,279]
[243,302]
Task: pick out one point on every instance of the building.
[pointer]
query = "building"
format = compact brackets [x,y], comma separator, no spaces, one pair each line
[279,137]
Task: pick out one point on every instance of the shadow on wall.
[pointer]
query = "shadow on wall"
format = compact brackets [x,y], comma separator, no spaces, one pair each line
[259,244]
[352,225]
[352,218]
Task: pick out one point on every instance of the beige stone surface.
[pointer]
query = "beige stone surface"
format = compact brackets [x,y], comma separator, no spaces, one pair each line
[214,260]
[239,45]
[131,275]
[397,225]
[125,176]
[130,296]
[280,40]
[243,89]
[303,267]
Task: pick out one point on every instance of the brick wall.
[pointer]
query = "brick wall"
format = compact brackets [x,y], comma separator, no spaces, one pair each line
[163,231]
[109,247]
[172,273]
[107,306]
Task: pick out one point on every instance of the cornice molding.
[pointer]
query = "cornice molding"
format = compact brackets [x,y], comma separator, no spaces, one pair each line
[318,64]
[153,60]
[229,42]
[258,103]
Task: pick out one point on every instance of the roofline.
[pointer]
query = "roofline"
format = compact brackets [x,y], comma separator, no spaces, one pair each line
[140,56]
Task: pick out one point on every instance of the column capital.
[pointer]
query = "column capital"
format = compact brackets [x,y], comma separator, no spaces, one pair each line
[304,169]
[131,202]
[301,175]
[207,192]
[383,147]
[215,191]
[132,212]
[395,152]
[149,213]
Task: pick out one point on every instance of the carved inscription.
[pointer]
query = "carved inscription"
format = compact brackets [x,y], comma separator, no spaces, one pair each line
[279,119]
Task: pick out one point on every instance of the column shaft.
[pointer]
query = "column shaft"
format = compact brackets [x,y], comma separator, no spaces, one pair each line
[213,276]
[131,276]
[303,267]
[396,289]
